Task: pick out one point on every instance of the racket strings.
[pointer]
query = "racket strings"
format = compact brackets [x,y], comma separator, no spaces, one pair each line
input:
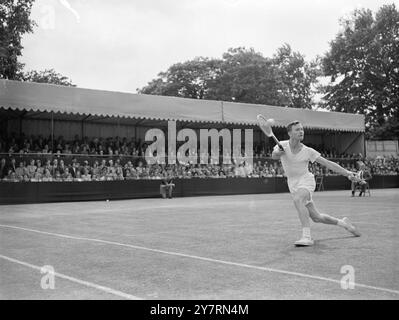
[265,125]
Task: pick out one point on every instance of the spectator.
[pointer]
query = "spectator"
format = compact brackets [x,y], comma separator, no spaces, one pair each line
[37,177]
[39,167]
[46,149]
[119,174]
[11,177]
[58,175]
[3,168]
[47,176]
[20,171]
[31,168]
[73,170]
[13,167]
[363,174]
[78,177]
[166,187]
[86,175]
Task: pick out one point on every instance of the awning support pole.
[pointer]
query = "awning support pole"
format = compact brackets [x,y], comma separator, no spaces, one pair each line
[52,130]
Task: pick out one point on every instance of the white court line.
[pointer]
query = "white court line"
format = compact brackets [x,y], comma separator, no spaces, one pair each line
[123,211]
[237,264]
[82,282]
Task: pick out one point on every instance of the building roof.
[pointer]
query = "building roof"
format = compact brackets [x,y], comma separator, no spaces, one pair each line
[38,97]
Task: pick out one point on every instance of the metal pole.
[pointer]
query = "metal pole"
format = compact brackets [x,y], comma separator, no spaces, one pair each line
[52,130]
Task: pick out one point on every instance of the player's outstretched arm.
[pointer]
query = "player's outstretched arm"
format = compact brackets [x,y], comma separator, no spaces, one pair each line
[336,168]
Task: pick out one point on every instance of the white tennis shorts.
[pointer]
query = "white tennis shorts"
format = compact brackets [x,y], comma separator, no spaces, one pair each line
[306,181]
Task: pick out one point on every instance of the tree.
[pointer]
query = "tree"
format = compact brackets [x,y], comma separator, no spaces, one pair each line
[298,76]
[363,63]
[242,75]
[14,23]
[46,76]
[189,79]
[246,76]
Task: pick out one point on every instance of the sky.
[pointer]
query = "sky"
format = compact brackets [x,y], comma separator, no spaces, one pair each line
[121,45]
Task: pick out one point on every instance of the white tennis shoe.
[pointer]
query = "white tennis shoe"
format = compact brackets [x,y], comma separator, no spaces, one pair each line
[304,242]
[350,227]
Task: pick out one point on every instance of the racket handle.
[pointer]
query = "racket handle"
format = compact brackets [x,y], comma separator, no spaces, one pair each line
[278,143]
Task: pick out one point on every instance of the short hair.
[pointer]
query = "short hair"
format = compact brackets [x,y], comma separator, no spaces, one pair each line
[291,124]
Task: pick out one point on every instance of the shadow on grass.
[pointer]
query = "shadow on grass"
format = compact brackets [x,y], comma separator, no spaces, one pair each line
[320,247]
[333,238]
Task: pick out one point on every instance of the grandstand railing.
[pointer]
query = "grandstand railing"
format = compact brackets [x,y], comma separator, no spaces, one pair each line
[91,158]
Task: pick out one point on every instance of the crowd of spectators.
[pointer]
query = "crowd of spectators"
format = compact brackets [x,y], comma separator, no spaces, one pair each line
[96,146]
[31,159]
[107,170]
[117,146]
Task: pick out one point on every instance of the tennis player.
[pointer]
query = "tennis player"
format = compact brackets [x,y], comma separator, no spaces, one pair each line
[295,160]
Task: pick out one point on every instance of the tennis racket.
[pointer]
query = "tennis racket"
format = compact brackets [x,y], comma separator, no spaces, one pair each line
[266,126]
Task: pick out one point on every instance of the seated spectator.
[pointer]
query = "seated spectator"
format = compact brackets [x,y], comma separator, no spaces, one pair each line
[39,167]
[74,168]
[78,177]
[37,177]
[13,166]
[364,176]
[31,168]
[128,174]
[240,171]
[66,174]
[68,178]
[48,165]
[95,170]
[119,174]
[13,177]
[7,177]
[166,187]
[57,175]
[86,175]
[3,169]
[67,149]
[20,171]
[84,150]
[85,166]
[47,176]
[46,149]
[61,167]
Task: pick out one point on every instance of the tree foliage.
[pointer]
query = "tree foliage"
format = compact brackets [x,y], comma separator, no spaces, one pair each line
[46,76]
[14,23]
[190,79]
[242,75]
[298,76]
[246,76]
[363,63]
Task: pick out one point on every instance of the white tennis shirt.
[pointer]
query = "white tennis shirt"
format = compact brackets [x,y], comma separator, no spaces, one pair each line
[296,165]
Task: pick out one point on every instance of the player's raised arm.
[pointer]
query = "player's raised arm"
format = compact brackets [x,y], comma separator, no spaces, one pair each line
[336,168]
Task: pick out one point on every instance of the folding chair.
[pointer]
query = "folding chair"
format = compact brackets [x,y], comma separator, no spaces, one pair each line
[366,190]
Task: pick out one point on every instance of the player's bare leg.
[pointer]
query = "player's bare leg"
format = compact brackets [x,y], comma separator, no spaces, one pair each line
[301,197]
[318,217]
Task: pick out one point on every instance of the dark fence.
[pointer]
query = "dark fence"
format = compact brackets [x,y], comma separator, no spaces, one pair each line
[37,192]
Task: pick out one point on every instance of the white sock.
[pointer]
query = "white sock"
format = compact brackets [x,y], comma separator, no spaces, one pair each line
[306,233]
